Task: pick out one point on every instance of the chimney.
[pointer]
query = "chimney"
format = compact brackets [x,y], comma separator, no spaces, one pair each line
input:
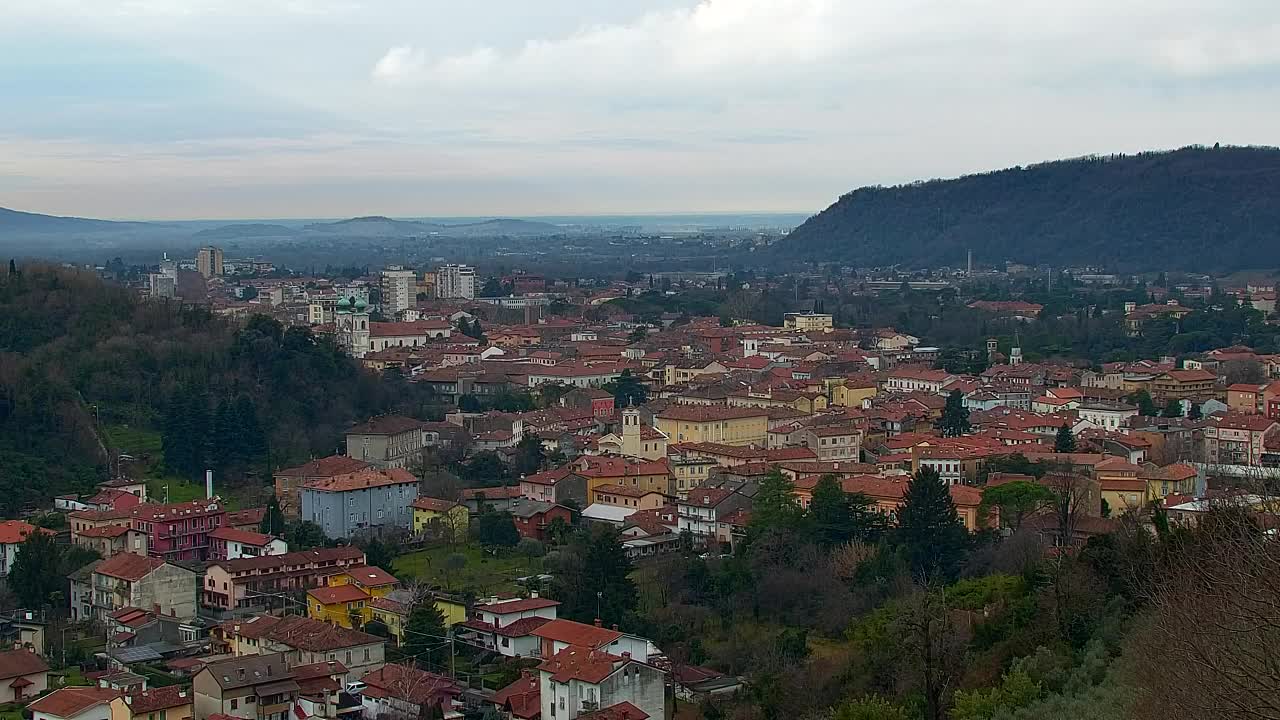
[615,627]
[598,623]
[533,594]
[625,655]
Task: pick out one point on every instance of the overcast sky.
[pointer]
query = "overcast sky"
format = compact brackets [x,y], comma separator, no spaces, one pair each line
[330,108]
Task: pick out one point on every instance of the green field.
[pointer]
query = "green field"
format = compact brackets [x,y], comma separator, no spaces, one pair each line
[145,445]
[483,573]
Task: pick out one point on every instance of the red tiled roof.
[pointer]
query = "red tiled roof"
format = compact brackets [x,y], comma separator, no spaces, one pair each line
[621,711]
[581,663]
[15,531]
[522,697]
[301,557]
[385,425]
[362,479]
[506,607]
[325,467]
[370,576]
[104,531]
[388,605]
[244,537]
[411,684]
[433,504]
[576,633]
[16,663]
[70,701]
[709,413]
[338,594]
[128,566]
[159,698]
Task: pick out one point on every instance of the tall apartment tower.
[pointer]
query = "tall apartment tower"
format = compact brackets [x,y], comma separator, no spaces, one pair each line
[209,261]
[456,282]
[399,289]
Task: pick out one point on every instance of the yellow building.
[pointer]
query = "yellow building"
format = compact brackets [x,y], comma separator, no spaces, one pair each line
[395,615]
[714,424]
[444,518]
[808,321]
[345,601]
[851,394]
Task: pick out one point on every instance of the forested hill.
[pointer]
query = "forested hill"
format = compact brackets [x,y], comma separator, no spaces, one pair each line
[1190,209]
[80,358]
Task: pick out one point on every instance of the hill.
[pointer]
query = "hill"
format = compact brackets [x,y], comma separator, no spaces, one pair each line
[378,226]
[24,222]
[1190,209]
[246,230]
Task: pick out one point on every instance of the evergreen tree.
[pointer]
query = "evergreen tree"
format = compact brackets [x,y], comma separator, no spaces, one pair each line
[424,632]
[1146,407]
[529,455]
[955,416]
[929,529]
[13,267]
[836,517]
[378,554]
[497,529]
[252,440]
[226,436]
[1195,413]
[35,576]
[1173,409]
[775,506]
[272,519]
[627,390]
[601,588]
[1065,442]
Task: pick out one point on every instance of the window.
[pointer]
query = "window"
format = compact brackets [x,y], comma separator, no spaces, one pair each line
[235,704]
[366,654]
[348,657]
[250,700]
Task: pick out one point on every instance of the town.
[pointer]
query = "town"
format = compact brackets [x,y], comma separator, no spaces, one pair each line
[644,496]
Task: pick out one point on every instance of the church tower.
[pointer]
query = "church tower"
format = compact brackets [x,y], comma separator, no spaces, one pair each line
[351,321]
[631,432]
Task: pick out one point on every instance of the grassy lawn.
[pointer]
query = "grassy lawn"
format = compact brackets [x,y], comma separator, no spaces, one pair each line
[483,573]
[145,445]
[69,676]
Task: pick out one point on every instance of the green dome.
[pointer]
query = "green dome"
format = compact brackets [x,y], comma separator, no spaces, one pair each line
[361,304]
[344,303]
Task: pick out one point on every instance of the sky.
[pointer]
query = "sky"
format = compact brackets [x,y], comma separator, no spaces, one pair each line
[172,109]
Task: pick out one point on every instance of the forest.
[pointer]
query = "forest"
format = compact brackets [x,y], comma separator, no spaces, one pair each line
[1197,208]
[79,357]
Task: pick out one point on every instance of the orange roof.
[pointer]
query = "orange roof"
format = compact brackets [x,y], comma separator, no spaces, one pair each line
[15,531]
[160,698]
[363,479]
[1117,464]
[579,663]
[244,537]
[370,576]
[338,594]
[16,663]
[433,504]
[325,467]
[128,566]
[576,633]
[70,701]
[709,413]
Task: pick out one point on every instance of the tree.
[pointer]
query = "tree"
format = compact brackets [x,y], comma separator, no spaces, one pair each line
[627,390]
[638,334]
[1142,398]
[955,416]
[1173,409]
[424,632]
[869,708]
[529,455]
[13,267]
[1016,501]
[453,562]
[775,506]
[931,648]
[601,583]
[272,519]
[930,530]
[1195,413]
[35,573]
[304,534]
[1071,499]
[378,554]
[492,288]
[497,529]
[1065,442]
[836,517]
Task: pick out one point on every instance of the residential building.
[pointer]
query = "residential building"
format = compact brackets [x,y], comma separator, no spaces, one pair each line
[257,687]
[456,282]
[1172,479]
[128,580]
[532,517]
[1195,386]
[560,634]
[109,540]
[80,703]
[441,518]
[630,498]
[521,699]
[914,379]
[648,475]
[580,681]
[12,534]
[23,674]
[808,321]
[1247,398]
[1104,415]
[704,507]
[399,290]
[506,626]
[401,691]
[553,486]
[1239,439]
[345,600]
[714,424]
[303,641]
[172,702]
[387,441]
[289,481]
[209,262]
[367,501]
[249,582]
[173,531]
[321,692]
[833,442]
[228,543]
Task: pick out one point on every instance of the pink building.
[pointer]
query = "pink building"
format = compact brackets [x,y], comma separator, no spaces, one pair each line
[179,531]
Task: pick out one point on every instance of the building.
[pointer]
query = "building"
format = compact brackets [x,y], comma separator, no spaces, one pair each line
[417,333]
[399,290]
[714,424]
[171,531]
[209,262]
[228,543]
[532,518]
[253,581]
[290,480]
[809,321]
[833,442]
[303,641]
[1247,398]
[560,634]
[345,600]
[128,580]
[441,518]
[704,507]
[351,326]
[1195,386]
[580,681]
[173,702]
[368,501]
[12,534]
[256,687]
[521,699]
[80,703]
[456,282]
[401,691]
[635,440]
[386,441]
[1239,439]
[1104,415]
[23,674]
[506,626]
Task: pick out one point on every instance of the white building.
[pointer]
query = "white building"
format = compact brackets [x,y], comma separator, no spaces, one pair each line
[579,680]
[1105,416]
[456,282]
[399,289]
[209,261]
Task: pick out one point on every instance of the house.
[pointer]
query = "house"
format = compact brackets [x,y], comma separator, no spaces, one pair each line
[227,543]
[247,519]
[633,498]
[254,687]
[714,424]
[521,700]
[554,486]
[441,518]
[532,517]
[345,601]
[599,402]
[173,702]
[80,703]
[833,442]
[12,534]
[497,499]
[703,508]
[399,691]
[1173,479]
[1104,415]
[108,540]
[583,682]
[1239,439]
[387,441]
[365,501]
[600,470]
[807,321]
[1248,398]
[250,581]
[289,482]
[1196,386]
[139,581]
[320,691]
[913,379]
[173,531]
[506,626]
[560,634]
[302,641]
[23,674]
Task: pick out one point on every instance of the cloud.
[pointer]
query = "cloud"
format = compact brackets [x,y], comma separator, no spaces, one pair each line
[401,64]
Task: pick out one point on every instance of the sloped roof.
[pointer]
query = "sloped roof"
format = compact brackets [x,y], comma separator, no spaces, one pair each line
[70,701]
[16,663]
[128,566]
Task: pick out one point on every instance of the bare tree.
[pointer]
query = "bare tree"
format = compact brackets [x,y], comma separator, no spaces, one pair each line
[1076,495]
[932,646]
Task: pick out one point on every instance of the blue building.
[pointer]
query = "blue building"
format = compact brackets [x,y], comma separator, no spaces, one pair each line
[362,502]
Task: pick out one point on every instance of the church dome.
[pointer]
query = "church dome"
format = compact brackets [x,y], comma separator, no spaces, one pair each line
[361,304]
[344,303]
